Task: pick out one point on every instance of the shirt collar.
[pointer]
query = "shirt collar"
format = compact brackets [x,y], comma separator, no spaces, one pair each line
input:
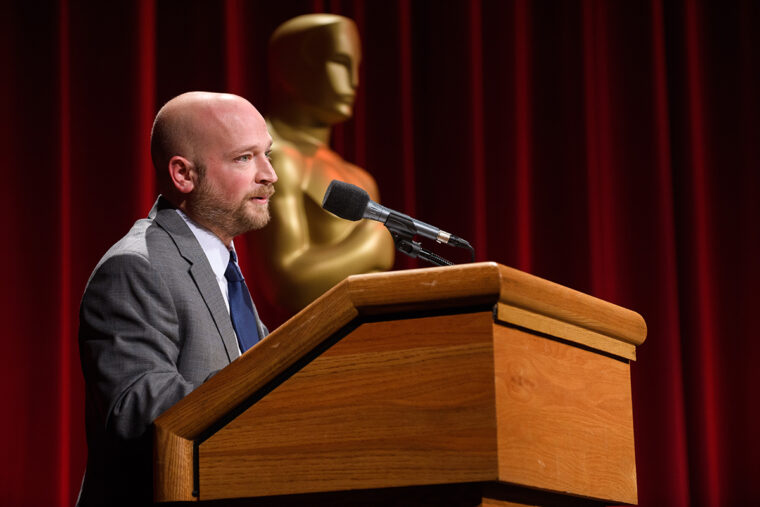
[216,252]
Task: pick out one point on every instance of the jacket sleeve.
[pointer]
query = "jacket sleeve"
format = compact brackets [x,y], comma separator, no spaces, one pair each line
[129,344]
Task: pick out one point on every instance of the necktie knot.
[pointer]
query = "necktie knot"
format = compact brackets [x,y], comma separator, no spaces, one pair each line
[232,273]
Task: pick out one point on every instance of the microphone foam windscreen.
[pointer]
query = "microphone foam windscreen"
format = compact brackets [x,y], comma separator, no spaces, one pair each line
[345,200]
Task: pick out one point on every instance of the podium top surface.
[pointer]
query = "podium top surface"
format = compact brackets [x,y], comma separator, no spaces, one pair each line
[489,282]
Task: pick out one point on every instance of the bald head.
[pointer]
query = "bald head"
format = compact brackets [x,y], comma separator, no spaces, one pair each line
[188,123]
[211,154]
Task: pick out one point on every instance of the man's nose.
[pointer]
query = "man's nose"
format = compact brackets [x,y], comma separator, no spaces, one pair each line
[266,174]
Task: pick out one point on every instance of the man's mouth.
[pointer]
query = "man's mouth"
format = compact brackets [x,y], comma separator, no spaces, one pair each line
[262,198]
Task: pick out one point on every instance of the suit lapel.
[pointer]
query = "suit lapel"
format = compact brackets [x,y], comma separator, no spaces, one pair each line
[200,270]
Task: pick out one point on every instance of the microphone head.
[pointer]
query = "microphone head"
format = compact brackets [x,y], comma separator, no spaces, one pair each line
[345,200]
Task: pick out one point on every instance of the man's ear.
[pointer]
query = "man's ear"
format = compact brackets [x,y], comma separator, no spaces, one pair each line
[182,174]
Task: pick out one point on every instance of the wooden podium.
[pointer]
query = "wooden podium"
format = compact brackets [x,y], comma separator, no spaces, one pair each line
[468,385]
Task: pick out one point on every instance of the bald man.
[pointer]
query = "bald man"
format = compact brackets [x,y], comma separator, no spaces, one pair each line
[165,308]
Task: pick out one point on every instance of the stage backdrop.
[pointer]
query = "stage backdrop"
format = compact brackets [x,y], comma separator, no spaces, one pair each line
[613,147]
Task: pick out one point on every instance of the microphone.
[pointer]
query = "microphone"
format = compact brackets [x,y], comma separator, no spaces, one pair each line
[353,203]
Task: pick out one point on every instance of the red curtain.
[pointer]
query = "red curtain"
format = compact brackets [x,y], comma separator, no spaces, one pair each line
[613,147]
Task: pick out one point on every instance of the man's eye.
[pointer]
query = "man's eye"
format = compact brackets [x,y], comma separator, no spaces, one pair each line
[268,154]
[244,158]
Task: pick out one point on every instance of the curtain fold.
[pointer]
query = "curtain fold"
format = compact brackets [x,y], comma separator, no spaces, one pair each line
[612,147]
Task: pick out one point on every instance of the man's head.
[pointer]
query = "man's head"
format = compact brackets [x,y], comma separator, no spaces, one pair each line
[210,151]
[314,65]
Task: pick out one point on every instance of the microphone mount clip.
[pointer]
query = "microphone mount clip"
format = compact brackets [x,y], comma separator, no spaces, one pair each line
[405,244]
[402,230]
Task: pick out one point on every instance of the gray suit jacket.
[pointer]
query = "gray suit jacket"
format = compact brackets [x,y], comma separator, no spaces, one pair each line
[153,326]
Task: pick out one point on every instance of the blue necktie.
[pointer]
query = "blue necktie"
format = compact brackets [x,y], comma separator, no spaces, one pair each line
[241,308]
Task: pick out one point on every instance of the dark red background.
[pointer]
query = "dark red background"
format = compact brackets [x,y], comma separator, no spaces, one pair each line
[612,147]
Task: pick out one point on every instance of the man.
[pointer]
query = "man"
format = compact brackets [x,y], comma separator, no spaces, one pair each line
[313,62]
[166,306]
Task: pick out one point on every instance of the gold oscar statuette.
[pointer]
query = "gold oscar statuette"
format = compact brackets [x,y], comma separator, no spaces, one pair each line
[313,72]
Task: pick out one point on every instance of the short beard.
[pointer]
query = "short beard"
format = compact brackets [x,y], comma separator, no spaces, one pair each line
[228,218]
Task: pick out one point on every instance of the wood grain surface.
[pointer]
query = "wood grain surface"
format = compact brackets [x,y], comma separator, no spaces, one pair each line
[523,300]
[548,325]
[393,404]
[565,418]
[172,467]
[563,304]
[425,289]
